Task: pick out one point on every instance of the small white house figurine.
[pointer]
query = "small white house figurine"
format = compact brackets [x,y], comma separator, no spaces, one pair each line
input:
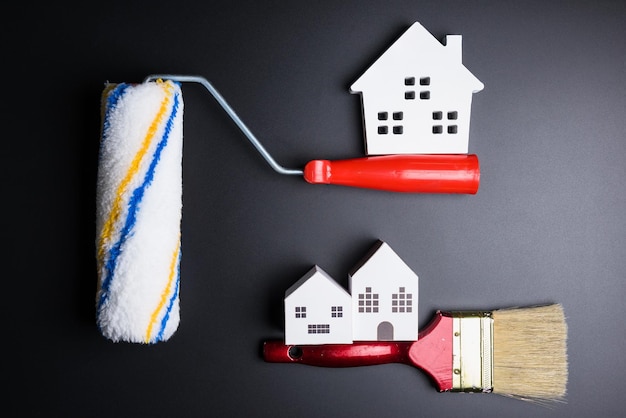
[384,297]
[383,304]
[317,311]
[417,97]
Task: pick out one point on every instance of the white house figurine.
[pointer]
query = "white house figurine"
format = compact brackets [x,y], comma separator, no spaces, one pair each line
[384,297]
[317,311]
[382,304]
[417,97]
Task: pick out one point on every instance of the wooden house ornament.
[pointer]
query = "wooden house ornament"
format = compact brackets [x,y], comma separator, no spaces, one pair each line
[416,98]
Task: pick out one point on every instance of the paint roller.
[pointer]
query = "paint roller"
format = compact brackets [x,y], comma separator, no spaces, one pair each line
[139,199]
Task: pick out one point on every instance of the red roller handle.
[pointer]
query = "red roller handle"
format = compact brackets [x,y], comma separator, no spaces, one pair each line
[442,173]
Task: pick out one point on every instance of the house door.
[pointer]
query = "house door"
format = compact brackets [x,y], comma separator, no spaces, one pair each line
[385,331]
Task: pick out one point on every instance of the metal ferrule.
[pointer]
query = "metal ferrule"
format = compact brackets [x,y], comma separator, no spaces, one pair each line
[472,352]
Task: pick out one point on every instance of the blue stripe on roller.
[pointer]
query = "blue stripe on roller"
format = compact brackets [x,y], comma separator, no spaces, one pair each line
[133,206]
[170,304]
[111,102]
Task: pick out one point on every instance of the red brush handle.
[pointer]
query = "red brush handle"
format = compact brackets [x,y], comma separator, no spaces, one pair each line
[337,355]
[432,352]
[400,173]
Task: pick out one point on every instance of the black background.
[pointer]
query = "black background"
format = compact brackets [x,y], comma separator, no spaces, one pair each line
[547,225]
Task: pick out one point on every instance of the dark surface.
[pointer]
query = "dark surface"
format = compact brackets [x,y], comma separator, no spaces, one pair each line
[547,225]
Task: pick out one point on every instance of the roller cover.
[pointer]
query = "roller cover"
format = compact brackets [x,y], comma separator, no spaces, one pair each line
[138,212]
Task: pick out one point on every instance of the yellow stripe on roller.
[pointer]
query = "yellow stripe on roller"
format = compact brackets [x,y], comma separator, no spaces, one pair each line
[166,291]
[116,209]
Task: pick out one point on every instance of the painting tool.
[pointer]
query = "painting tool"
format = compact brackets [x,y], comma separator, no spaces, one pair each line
[516,352]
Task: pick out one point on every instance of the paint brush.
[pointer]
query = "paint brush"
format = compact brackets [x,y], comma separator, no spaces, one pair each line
[516,352]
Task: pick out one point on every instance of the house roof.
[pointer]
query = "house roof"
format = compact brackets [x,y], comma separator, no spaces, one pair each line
[419,49]
[382,261]
[316,277]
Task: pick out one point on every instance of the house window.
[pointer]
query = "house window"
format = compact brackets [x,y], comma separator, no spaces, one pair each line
[402,301]
[319,328]
[396,129]
[336,311]
[368,301]
[452,128]
[300,311]
[424,94]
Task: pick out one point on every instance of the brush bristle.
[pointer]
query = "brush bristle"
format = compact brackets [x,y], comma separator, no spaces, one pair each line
[530,353]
